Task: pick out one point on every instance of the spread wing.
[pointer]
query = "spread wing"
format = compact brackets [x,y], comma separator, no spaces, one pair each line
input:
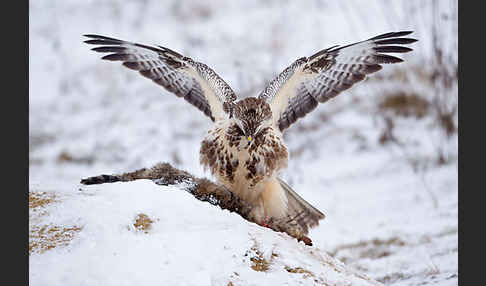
[194,81]
[315,79]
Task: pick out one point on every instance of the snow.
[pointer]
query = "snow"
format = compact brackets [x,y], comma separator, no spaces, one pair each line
[391,211]
[191,243]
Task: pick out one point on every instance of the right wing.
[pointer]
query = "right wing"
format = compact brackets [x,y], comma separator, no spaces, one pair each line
[194,81]
[312,80]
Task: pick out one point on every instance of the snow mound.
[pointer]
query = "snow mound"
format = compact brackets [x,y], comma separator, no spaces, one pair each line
[139,233]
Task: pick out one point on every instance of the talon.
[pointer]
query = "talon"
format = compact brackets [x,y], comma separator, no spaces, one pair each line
[264,223]
[307,241]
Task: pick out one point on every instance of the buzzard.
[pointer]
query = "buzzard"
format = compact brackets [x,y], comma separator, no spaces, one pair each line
[244,150]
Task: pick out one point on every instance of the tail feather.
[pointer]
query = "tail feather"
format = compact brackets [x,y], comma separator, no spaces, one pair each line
[300,215]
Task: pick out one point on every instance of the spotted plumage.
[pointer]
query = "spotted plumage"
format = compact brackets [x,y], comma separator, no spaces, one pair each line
[244,149]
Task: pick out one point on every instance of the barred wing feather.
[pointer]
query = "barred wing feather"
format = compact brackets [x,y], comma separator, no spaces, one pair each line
[184,77]
[312,80]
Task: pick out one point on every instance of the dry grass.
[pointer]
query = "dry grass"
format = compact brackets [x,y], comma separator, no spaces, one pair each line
[38,202]
[143,223]
[43,237]
[387,134]
[406,105]
[300,270]
[372,249]
[40,199]
[259,263]
[393,277]
[445,116]
[66,157]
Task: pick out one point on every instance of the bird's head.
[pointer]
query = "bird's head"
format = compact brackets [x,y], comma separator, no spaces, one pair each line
[251,116]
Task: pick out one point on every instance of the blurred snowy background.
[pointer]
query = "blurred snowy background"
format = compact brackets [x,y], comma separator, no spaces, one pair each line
[380,160]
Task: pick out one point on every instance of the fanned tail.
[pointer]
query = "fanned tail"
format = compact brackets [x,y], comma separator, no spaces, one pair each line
[300,214]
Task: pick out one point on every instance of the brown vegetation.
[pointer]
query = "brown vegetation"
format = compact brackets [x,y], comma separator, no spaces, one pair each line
[143,223]
[373,249]
[300,270]
[39,199]
[403,104]
[43,237]
[66,157]
[259,263]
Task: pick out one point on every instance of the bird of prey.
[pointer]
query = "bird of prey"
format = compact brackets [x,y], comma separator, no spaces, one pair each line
[244,150]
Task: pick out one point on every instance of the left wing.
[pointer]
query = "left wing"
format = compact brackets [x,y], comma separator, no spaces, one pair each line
[194,81]
[310,80]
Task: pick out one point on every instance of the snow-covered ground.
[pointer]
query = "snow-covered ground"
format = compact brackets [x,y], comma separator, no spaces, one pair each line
[391,210]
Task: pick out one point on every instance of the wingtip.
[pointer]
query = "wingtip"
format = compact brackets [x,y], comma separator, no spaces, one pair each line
[98,39]
[391,35]
[91,36]
[401,33]
[94,42]
[406,32]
